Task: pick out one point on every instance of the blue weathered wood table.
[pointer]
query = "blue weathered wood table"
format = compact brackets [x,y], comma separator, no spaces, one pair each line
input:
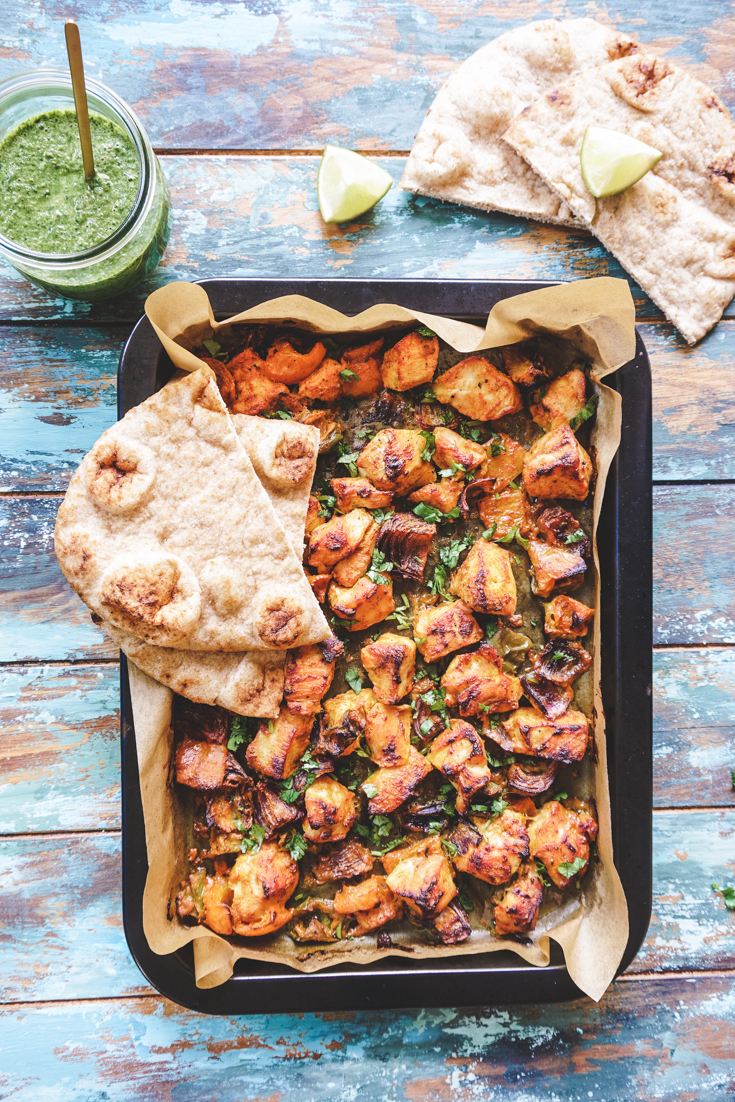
[238,99]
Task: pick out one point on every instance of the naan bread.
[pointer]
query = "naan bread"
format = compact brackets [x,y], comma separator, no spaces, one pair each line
[673,231]
[284,455]
[250,683]
[168,535]
[459,155]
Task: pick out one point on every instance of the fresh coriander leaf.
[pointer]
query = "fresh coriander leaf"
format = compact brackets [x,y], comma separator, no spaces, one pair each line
[296,844]
[338,930]
[584,414]
[289,794]
[425,726]
[348,458]
[429,395]
[430,445]
[379,568]
[449,554]
[534,623]
[575,537]
[402,614]
[490,532]
[559,656]
[238,733]
[424,331]
[432,515]
[333,349]
[496,449]
[215,350]
[380,515]
[541,870]
[348,374]
[420,639]
[253,840]
[728,895]
[571,868]
[434,827]
[465,898]
[353,679]
[732,777]
[449,847]
[308,763]
[271,726]
[284,416]
[438,582]
[370,791]
[561,796]
[498,806]
[514,534]
[513,485]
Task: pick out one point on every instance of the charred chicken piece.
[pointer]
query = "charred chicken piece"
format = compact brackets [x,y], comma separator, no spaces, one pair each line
[358,493]
[525,365]
[517,910]
[203,722]
[255,392]
[491,849]
[559,836]
[271,812]
[324,384]
[549,698]
[342,861]
[371,903]
[286,364]
[279,744]
[445,628]
[360,352]
[504,461]
[565,618]
[557,466]
[390,662]
[485,580]
[388,734]
[405,541]
[562,662]
[561,530]
[313,520]
[476,683]
[363,604]
[392,461]
[395,783]
[477,389]
[207,765]
[331,811]
[506,510]
[452,925]
[319,585]
[560,401]
[217,901]
[350,570]
[459,753]
[411,362]
[421,875]
[231,811]
[532,778]
[443,495]
[338,538]
[309,673]
[225,382]
[261,883]
[453,448]
[528,732]
[554,566]
[363,362]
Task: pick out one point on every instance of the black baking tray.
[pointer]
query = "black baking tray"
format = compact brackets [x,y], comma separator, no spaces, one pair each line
[625,548]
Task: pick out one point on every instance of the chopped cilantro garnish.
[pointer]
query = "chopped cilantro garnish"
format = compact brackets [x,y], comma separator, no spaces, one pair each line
[238,733]
[253,840]
[353,679]
[379,568]
[424,331]
[296,844]
[430,445]
[449,847]
[370,790]
[429,395]
[585,413]
[571,868]
[348,374]
[380,515]
[514,534]
[575,537]
[402,614]
[215,350]
[348,458]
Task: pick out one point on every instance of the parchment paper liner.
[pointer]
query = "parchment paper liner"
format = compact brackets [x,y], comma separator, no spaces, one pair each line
[598,317]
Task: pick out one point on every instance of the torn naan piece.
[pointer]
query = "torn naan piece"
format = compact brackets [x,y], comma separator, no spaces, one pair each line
[459,155]
[249,683]
[167,534]
[673,231]
[284,455]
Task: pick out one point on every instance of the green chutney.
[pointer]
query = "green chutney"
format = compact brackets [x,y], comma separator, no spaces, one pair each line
[46,205]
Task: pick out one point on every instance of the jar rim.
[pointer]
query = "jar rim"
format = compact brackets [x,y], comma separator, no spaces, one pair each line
[46,80]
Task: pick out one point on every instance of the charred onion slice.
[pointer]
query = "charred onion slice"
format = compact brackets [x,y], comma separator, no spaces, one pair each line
[271,812]
[557,525]
[452,925]
[405,541]
[422,814]
[563,662]
[551,699]
[472,492]
[342,861]
[201,722]
[532,778]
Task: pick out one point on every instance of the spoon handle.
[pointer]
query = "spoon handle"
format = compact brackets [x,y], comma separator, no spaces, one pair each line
[76,67]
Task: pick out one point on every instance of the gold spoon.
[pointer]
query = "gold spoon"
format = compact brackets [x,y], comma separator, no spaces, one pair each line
[76,67]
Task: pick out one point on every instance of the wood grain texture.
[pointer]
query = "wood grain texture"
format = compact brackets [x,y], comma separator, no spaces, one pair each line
[294,75]
[57,396]
[61,907]
[693,580]
[693,727]
[258,216]
[657,1041]
[60,748]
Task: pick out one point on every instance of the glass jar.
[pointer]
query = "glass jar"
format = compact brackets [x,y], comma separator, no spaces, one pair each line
[133,251]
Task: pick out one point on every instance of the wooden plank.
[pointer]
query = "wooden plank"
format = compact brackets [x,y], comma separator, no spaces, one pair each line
[693,581]
[258,216]
[40,615]
[294,75]
[57,395]
[693,727]
[41,619]
[663,1039]
[61,905]
[60,750]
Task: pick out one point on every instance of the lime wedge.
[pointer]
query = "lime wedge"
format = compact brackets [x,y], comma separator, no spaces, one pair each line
[612,162]
[348,184]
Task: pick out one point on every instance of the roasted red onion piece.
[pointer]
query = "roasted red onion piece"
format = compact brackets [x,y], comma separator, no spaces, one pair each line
[405,541]
[271,811]
[532,779]
[551,699]
[562,662]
